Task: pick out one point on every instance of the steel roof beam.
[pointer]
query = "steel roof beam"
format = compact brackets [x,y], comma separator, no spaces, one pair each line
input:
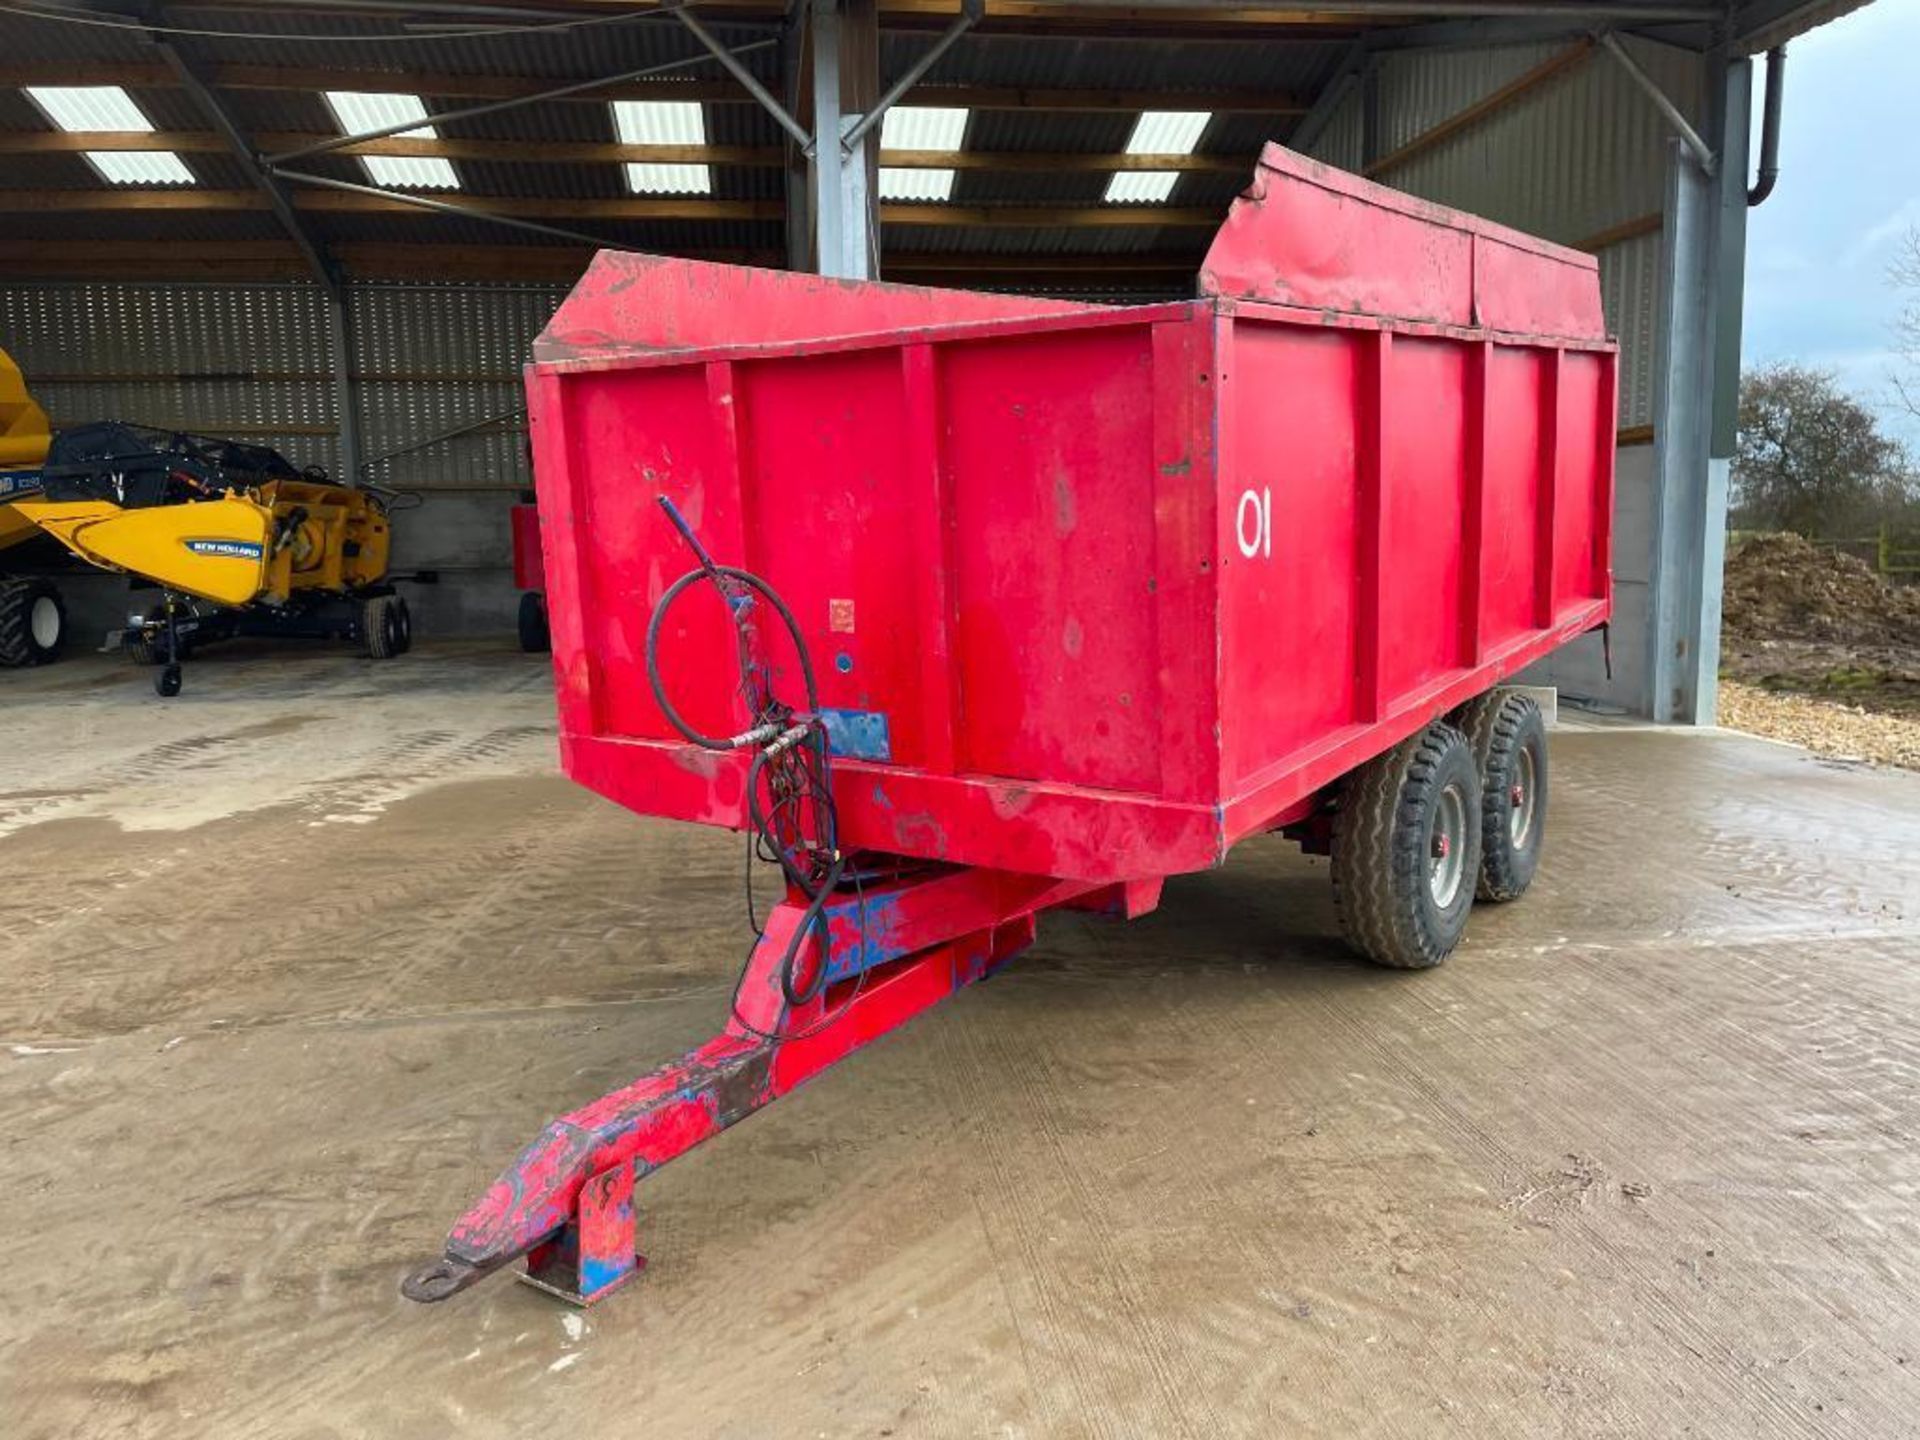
[593,152]
[342,197]
[1068,99]
[970,13]
[1628,11]
[748,81]
[311,248]
[228,128]
[1670,112]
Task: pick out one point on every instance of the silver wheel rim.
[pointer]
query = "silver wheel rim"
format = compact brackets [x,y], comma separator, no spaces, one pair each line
[1447,853]
[44,622]
[1520,810]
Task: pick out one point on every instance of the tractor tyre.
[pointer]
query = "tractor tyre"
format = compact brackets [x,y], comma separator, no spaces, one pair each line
[33,622]
[383,631]
[1509,740]
[535,638]
[1406,850]
[404,625]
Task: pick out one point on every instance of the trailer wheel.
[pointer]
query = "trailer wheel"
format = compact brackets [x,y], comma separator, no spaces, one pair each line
[1406,849]
[1509,740]
[401,608]
[167,683]
[535,638]
[33,622]
[382,627]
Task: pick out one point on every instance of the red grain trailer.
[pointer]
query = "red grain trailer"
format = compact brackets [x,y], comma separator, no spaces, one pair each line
[529,578]
[1001,604]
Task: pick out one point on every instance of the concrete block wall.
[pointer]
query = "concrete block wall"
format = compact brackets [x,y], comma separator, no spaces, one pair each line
[1579,670]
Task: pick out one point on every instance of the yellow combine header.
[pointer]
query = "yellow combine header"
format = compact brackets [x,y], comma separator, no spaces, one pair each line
[263,545]
[238,541]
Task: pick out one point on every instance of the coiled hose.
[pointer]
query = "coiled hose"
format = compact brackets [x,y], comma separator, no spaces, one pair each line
[794,768]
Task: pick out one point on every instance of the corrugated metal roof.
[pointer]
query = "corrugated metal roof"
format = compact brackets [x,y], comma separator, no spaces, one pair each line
[1558,182]
[1289,66]
[1759,34]
[666,237]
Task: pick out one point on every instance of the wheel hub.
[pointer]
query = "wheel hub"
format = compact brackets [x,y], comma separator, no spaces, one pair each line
[1521,801]
[1444,868]
[43,621]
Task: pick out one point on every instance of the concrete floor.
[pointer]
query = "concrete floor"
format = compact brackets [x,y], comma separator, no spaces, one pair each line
[290,966]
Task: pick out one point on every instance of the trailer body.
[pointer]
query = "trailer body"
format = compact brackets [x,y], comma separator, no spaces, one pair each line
[1093,592]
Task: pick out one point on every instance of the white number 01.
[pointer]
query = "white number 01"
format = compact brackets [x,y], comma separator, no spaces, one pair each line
[1253,524]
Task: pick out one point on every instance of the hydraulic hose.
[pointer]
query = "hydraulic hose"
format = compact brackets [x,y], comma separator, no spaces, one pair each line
[800,766]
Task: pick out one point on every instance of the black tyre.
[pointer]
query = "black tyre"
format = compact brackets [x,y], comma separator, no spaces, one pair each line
[1406,850]
[404,624]
[33,622]
[383,627]
[167,683]
[149,647]
[535,638]
[1509,740]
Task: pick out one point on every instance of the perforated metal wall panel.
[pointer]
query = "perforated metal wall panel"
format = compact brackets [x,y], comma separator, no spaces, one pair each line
[433,359]
[253,361]
[1629,288]
[248,361]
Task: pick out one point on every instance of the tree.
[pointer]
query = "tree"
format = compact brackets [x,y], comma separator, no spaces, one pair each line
[1904,274]
[1811,458]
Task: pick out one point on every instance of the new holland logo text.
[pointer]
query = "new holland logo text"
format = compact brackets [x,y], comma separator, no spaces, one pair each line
[233,549]
[19,482]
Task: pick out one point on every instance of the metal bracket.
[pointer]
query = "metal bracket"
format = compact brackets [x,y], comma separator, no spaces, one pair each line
[1702,152]
[753,87]
[970,14]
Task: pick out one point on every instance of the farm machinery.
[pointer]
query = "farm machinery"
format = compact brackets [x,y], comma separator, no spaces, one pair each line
[236,539]
[33,617]
[989,606]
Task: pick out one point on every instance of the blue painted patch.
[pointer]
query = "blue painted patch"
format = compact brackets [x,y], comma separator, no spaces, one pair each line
[843,662]
[858,734]
[231,549]
[861,933]
[597,1274]
[14,483]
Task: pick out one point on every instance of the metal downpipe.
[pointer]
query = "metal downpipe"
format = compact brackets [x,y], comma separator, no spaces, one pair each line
[1763,185]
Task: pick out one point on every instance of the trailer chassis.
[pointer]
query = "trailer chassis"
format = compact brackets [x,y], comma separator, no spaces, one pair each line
[894,949]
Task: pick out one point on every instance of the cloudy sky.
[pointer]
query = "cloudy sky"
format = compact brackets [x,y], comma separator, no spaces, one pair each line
[1817,252]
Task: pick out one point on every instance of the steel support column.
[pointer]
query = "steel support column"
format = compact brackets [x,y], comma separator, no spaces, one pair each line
[844,36]
[797,92]
[1703,260]
[346,398]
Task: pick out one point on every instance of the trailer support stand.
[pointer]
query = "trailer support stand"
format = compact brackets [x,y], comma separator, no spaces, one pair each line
[595,1252]
[893,950]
